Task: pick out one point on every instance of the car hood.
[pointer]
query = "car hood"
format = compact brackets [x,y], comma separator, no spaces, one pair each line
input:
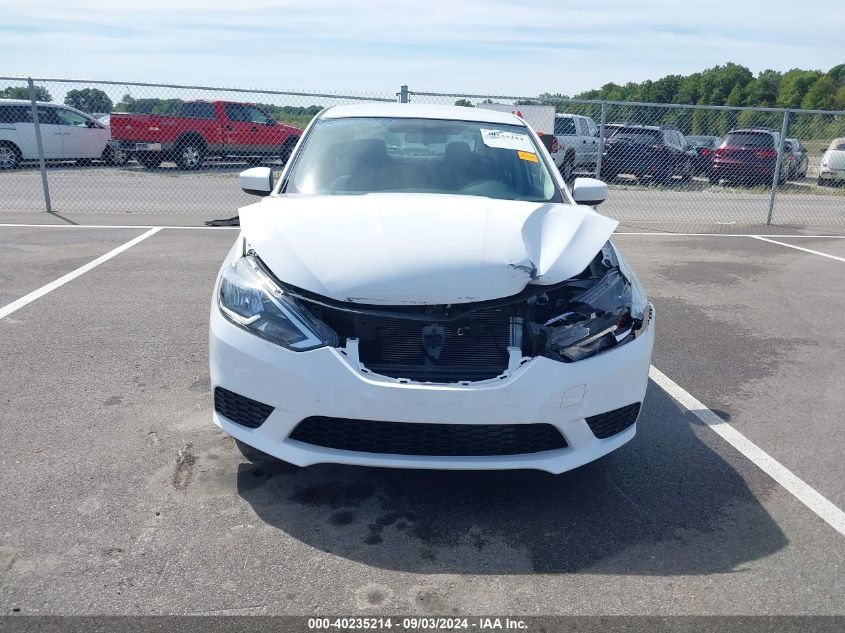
[405,249]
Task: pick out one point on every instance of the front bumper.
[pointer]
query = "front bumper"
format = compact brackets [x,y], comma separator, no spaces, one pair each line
[331,382]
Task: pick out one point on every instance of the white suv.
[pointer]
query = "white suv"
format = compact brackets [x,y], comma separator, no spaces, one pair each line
[577,144]
[66,134]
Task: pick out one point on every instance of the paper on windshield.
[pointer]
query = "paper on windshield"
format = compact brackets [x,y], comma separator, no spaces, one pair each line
[506,140]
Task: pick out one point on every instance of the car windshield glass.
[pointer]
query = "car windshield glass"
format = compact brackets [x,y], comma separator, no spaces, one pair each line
[636,135]
[753,139]
[368,155]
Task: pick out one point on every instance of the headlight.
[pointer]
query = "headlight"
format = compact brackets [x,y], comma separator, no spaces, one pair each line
[612,312]
[249,298]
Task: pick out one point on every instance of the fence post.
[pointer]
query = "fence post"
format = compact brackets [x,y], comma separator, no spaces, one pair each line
[778,162]
[40,145]
[601,138]
[403,94]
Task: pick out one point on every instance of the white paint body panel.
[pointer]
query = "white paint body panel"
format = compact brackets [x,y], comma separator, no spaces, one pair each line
[421,248]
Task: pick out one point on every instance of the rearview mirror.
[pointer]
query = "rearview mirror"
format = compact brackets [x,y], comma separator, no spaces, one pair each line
[589,191]
[257,181]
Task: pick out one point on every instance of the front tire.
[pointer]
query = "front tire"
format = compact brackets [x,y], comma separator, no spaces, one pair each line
[190,155]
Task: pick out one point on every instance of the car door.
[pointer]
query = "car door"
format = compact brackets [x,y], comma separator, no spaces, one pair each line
[591,151]
[51,132]
[248,130]
[82,136]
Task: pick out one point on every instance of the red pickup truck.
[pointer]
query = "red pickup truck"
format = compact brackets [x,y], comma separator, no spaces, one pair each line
[202,129]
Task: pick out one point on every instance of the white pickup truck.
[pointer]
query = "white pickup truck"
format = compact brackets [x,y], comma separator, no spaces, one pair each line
[577,144]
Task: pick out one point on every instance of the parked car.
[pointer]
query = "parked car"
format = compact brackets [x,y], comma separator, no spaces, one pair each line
[203,129]
[748,157]
[611,128]
[466,313]
[577,144]
[832,170]
[66,134]
[648,151]
[704,148]
[796,154]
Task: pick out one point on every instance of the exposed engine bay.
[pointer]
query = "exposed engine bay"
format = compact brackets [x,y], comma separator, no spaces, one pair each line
[596,310]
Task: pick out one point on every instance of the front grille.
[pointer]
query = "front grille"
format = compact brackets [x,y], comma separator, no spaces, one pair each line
[402,438]
[610,423]
[469,349]
[240,409]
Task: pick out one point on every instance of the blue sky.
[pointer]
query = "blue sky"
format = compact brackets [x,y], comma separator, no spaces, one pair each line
[515,47]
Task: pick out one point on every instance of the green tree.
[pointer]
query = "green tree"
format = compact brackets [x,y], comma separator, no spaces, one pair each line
[22,92]
[794,86]
[89,100]
[821,94]
[763,91]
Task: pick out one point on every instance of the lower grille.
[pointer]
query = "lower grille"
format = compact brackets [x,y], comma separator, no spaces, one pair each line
[402,438]
[240,409]
[608,424]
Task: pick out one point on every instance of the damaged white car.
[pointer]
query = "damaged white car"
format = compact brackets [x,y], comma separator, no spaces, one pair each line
[419,289]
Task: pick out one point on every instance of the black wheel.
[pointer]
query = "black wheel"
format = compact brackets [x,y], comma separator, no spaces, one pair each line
[83,162]
[189,155]
[713,178]
[150,160]
[686,176]
[254,160]
[10,156]
[566,168]
[115,156]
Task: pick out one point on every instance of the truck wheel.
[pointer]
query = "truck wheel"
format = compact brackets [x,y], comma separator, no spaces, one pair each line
[10,157]
[189,155]
[566,168]
[150,160]
[115,156]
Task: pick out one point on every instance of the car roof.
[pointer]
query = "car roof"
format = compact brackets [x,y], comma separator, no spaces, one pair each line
[28,102]
[421,111]
[756,130]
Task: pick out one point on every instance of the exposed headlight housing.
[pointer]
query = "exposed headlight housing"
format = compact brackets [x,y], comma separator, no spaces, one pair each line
[249,298]
[611,312]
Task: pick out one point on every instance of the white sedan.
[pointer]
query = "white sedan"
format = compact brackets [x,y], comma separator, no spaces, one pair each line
[66,134]
[419,289]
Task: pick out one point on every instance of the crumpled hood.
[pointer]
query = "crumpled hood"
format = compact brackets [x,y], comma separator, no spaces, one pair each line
[396,249]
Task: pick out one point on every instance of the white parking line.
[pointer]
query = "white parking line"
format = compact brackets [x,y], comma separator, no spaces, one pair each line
[665,234]
[799,248]
[802,491]
[61,281]
[123,226]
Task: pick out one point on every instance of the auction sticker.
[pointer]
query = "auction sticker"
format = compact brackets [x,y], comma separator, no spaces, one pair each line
[506,140]
[531,157]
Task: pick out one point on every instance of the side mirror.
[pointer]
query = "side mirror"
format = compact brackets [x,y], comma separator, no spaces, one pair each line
[257,181]
[589,191]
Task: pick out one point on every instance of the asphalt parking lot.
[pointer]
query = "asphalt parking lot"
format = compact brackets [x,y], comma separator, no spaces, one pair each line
[120,496]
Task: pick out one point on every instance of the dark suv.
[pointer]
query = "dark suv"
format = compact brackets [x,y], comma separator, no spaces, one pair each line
[748,157]
[648,151]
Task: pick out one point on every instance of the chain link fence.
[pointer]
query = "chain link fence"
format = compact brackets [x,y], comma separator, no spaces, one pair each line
[74,146]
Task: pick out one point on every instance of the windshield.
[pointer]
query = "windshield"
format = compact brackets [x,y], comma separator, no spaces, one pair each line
[368,155]
[752,139]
